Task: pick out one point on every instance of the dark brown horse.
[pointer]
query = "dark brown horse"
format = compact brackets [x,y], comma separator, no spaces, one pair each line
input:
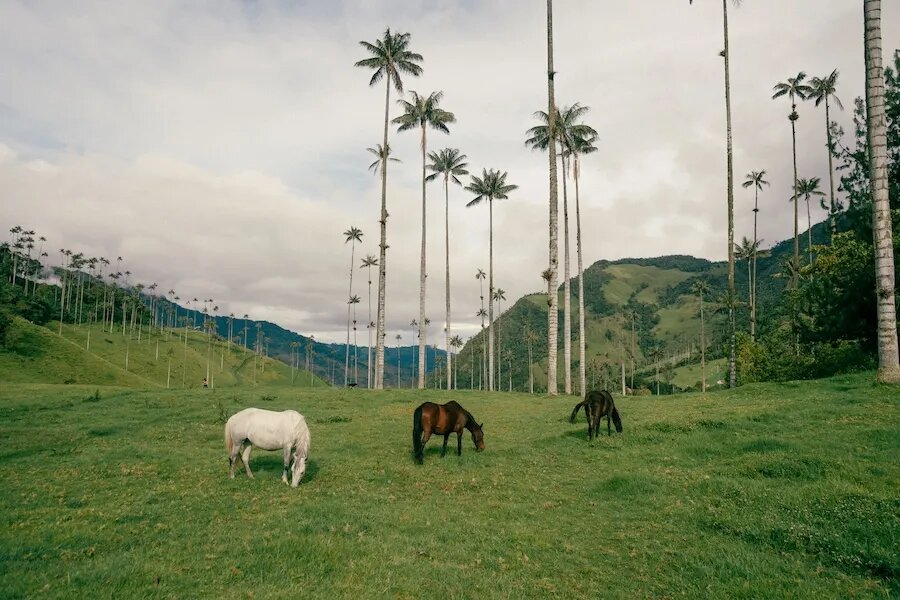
[598,404]
[443,419]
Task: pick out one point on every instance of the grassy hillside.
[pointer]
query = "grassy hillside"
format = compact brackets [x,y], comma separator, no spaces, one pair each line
[39,355]
[658,291]
[776,490]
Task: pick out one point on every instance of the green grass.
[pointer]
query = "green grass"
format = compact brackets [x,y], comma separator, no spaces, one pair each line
[776,490]
[689,375]
[628,278]
[42,356]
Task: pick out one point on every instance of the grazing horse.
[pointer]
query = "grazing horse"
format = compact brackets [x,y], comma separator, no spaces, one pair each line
[268,430]
[598,404]
[443,419]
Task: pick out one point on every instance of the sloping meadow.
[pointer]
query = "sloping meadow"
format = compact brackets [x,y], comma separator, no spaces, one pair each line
[766,491]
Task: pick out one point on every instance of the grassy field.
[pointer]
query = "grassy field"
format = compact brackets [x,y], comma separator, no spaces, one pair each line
[39,355]
[777,490]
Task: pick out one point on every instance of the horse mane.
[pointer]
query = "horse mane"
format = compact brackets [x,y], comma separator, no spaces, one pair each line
[301,436]
[471,423]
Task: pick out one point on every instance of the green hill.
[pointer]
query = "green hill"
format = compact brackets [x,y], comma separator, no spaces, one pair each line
[658,291]
[90,355]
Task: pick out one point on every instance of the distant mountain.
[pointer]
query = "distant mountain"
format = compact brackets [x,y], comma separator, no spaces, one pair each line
[659,293]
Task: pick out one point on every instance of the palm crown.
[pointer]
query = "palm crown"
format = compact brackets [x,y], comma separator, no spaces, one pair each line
[381,155]
[808,187]
[570,133]
[448,162]
[793,87]
[823,87]
[391,57]
[353,234]
[490,186]
[424,111]
[755,179]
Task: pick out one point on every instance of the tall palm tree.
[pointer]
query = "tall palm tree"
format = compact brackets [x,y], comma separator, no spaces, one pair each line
[351,236]
[825,89]
[483,314]
[456,343]
[701,288]
[490,186]
[568,131]
[553,272]
[367,263]
[656,353]
[805,189]
[354,300]
[398,337]
[794,88]
[499,296]
[756,179]
[481,276]
[423,112]
[746,250]
[888,365]
[579,146]
[726,54]
[450,163]
[390,56]
[415,327]
[530,338]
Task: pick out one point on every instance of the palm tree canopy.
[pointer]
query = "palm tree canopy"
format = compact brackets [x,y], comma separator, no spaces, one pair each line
[481,313]
[369,261]
[755,179]
[567,126]
[808,187]
[490,186]
[354,299]
[480,274]
[745,250]
[499,294]
[390,55]
[353,234]
[448,162]
[793,87]
[823,87]
[701,287]
[424,111]
[381,154]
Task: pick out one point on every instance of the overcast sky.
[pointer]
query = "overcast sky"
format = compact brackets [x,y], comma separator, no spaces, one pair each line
[219,147]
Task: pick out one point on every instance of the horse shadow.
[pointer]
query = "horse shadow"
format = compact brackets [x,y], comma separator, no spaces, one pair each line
[271,463]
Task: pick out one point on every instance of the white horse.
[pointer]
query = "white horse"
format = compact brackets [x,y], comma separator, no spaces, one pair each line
[268,430]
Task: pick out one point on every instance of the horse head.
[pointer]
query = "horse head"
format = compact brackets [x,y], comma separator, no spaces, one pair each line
[478,437]
[298,468]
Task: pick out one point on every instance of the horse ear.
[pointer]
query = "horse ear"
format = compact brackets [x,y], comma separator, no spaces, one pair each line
[481,426]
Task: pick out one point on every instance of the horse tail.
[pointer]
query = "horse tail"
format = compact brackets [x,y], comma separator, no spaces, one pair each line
[575,411]
[617,420]
[418,450]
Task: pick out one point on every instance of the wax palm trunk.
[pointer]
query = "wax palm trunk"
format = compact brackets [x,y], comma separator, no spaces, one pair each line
[732,368]
[422,331]
[581,340]
[553,295]
[888,367]
[491,296]
[567,290]
[447,274]
[382,249]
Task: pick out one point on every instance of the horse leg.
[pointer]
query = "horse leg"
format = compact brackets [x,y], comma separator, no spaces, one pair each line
[245,456]
[232,460]
[287,463]
[444,447]
[459,443]
[608,419]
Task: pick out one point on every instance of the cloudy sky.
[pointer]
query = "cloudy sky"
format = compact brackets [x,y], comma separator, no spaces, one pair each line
[219,146]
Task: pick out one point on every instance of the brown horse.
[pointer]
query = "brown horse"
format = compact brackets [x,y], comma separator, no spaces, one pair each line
[443,419]
[598,404]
